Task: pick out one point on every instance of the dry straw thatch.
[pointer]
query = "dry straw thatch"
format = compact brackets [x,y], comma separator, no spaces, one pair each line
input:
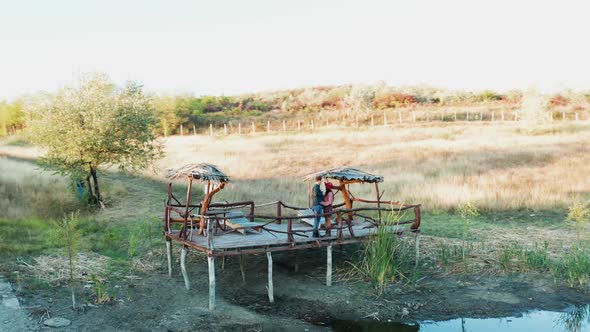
[199,171]
[345,173]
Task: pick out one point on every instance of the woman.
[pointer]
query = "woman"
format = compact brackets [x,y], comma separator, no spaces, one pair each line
[327,202]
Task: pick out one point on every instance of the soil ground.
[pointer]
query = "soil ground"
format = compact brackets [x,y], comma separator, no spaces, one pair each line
[156,302]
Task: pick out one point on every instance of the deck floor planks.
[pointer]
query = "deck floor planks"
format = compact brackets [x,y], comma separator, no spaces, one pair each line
[265,238]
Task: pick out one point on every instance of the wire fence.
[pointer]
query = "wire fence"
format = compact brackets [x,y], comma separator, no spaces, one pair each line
[370,120]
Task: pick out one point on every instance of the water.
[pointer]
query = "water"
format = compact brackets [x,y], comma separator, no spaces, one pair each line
[574,319]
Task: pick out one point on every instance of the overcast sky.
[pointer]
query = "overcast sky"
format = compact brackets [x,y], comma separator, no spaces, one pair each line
[230,47]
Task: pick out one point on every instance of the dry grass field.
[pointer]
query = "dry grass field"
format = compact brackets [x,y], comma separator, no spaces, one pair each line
[497,167]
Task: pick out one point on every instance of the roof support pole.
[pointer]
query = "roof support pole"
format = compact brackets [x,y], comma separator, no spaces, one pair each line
[188,203]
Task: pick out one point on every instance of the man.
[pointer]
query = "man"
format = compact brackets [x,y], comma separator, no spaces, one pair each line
[316,204]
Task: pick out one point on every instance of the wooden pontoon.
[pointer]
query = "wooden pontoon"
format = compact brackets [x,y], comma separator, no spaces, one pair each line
[229,229]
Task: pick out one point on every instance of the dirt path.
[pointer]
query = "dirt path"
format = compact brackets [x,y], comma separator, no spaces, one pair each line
[12,317]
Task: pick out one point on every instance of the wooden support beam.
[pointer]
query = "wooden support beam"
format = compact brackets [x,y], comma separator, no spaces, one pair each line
[211,264]
[183,253]
[271,297]
[169,255]
[329,266]
[242,269]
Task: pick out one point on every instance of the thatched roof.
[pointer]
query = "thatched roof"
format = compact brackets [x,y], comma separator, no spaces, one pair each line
[202,171]
[345,173]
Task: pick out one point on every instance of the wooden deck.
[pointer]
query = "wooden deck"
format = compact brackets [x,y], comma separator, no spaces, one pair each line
[274,238]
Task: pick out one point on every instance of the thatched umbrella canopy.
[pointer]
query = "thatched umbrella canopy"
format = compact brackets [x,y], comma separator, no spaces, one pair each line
[346,174]
[200,171]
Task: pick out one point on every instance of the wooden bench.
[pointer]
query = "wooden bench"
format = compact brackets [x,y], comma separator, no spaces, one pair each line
[236,220]
[310,220]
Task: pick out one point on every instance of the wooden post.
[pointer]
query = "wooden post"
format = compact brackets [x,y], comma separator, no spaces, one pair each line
[284,126]
[455,114]
[211,264]
[268,126]
[181,130]
[298,125]
[414,116]
[327,123]
[225,128]
[417,248]
[385,119]
[357,121]
[271,297]
[563,116]
[400,116]
[312,127]
[183,253]
[502,115]
[378,200]
[467,116]
[577,118]
[169,255]
[480,115]
[222,263]
[329,266]
[493,115]
[194,130]
[442,115]
[242,269]
[279,213]
[239,128]
[372,121]
[253,128]
[211,129]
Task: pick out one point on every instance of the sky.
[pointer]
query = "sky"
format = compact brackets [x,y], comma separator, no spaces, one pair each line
[232,47]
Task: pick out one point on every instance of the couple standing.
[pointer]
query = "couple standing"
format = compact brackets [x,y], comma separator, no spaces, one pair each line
[321,202]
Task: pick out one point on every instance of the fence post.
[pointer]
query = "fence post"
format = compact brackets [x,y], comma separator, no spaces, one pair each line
[357,121]
[181,130]
[563,116]
[385,119]
[211,129]
[372,121]
[414,116]
[194,130]
[312,124]
[502,115]
[253,128]
[239,128]
[268,126]
[225,128]
[298,125]
[577,118]
[480,115]
[442,115]
[467,116]
[493,115]
[455,113]
[284,126]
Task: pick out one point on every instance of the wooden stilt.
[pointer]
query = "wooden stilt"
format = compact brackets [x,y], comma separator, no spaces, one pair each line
[211,263]
[271,297]
[183,253]
[417,248]
[223,263]
[242,269]
[329,268]
[169,256]
[296,267]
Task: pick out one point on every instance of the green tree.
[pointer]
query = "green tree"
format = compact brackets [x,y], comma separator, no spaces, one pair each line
[165,110]
[12,116]
[94,124]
